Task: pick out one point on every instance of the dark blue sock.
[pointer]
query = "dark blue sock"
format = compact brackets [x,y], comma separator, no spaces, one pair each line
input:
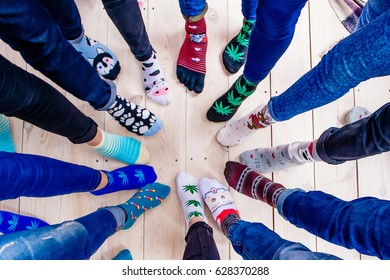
[127,178]
[12,222]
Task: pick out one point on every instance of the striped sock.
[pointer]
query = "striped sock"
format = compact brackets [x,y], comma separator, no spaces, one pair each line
[6,142]
[246,181]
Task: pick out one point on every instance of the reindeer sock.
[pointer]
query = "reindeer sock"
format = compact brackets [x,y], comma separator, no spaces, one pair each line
[155,86]
[226,106]
[191,63]
[6,142]
[12,222]
[98,55]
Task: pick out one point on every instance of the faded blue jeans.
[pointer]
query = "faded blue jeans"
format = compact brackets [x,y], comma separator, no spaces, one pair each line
[362,224]
[191,8]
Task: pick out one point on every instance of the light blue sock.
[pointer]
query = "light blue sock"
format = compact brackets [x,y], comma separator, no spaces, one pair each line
[6,142]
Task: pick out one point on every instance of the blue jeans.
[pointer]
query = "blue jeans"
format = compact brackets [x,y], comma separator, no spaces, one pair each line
[248,9]
[271,36]
[28,27]
[362,55]
[254,241]
[38,176]
[192,8]
[366,137]
[127,17]
[362,224]
[72,240]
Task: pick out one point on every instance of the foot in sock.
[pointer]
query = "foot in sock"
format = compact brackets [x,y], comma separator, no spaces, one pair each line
[123,255]
[6,142]
[265,160]
[218,199]
[357,113]
[237,131]
[191,63]
[122,148]
[226,106]
[155,86]
[11,222]
[127,178]
[134,118]
[190,197]
[235,52]
[246,181]
[98,55]
[145,199]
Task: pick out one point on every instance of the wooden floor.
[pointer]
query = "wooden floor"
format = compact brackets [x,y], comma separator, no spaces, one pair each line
[187,143]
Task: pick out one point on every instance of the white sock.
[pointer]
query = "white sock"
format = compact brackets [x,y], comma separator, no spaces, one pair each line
[155,86]
[357,113]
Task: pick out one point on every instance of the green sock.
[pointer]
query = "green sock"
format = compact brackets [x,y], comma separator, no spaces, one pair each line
[6,142]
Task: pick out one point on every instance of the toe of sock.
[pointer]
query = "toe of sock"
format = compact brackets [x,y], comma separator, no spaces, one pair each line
[232,172]
[155,128]
[144,155]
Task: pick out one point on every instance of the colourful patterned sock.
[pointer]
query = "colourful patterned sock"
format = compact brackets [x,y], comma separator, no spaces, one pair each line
[191,63]
[98,55]
[11,222]
[155,86]
[122,148]
[145,199]
[6,142]
[226,106]
[218,199]
[127,178]
[134,118]
[123,256]
[246,181]
[265,160]
[237,131]
[190,197]
[357,113]
[235,52]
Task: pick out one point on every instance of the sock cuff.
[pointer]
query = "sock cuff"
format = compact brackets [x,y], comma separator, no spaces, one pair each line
[196,27]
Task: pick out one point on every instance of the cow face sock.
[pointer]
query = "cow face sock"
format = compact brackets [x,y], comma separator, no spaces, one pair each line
[127,178]
[134,118]
[191,63]
[357,113]
[265,160]
[237,131]
[11,222]
[218,199]
[246,181]
[145,199]
[6,142]
[190,197]
[155,86]
[235,52]
[122,148]
[98,55]
[224,108]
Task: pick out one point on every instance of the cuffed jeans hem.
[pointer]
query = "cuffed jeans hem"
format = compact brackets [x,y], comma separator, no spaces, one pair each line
[112,98]
[198,224]
[320,147]
[282,198]
[194,18]
[145,56]
[271,111]
[118,214]
[79,38]
[88,136]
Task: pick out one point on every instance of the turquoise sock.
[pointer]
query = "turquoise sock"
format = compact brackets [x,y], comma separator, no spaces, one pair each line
[6,142]
[127,178]
[122,148]
[11,222]
[123,255]
[145,199]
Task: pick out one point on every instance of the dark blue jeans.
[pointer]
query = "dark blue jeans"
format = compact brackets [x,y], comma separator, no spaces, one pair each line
[362,224]
[28,27]
[27,97]
[366,137]
[38,176]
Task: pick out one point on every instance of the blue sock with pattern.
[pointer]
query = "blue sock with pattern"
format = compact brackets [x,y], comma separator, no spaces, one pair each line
[6,142]
[145,199]
[127,178]
[12,222]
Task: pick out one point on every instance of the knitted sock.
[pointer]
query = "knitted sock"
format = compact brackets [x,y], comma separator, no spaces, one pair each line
[191,63]
[123,255]
[246,181]
[98,55]
[6,142]
[134,118]
[127,178]
[11,222]
[155,86]
[235,52]
[266,160]
[226,106]
[145,199]
[237,131]
[218,199]
[122,148]
[190,197]
[357,113]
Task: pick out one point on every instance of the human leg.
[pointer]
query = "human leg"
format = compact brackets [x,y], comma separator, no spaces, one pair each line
[372,9]
[6,142]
